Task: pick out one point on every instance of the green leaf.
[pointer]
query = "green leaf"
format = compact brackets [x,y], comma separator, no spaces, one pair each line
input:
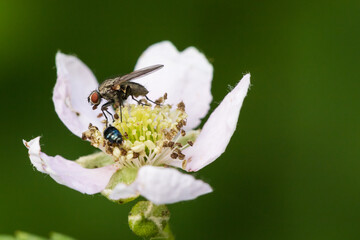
[19,235]
[59,236]
[7,237]
[27,236]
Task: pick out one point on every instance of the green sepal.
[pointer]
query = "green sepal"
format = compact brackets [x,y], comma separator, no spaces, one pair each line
[95,160]
[124,175]
[190,136]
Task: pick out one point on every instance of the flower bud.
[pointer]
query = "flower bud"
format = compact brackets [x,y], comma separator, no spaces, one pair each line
[147,219]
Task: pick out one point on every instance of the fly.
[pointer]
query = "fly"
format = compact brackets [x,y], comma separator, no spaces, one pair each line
[117,90]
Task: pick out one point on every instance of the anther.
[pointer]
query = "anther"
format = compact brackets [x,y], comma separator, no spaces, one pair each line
[174,155]
[123,152]
[190,143]
[181,156]
[168,136]
[181,106]
[116,152]
[173,132]
[184,164]
[183,133]
[83,136]
[158,101]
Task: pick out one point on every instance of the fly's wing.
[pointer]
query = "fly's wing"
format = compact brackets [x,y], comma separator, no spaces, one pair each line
[137,74]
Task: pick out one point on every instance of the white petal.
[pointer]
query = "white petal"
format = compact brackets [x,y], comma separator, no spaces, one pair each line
[74,83]
[162,186]
[69,173]
[123,191]
[217,131]
[186,76]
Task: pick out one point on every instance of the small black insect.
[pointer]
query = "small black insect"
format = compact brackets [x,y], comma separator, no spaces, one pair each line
[113,135]
[118,89]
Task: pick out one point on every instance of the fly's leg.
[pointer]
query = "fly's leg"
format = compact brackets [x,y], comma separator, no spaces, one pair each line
[138,101]
[128,92]
[121,96]
[104,109]
[152,101]
[121,111]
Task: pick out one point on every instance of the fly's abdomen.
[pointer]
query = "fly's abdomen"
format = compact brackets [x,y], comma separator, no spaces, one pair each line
[137,89]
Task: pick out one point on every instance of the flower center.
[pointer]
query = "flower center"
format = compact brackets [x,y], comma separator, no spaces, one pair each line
[149,134]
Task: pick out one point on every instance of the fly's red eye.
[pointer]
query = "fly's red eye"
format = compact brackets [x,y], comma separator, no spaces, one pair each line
[94,98]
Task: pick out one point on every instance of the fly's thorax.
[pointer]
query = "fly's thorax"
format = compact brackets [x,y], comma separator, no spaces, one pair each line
[151,135]
[107,90]
[109,94]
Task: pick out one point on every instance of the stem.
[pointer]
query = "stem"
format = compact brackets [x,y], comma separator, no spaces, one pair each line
[165,235]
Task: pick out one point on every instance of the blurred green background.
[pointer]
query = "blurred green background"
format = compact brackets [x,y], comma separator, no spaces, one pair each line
[291,170]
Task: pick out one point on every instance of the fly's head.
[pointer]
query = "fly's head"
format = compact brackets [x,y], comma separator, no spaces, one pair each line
[94,98]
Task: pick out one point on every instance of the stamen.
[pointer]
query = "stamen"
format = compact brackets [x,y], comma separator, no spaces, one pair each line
[149,134]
